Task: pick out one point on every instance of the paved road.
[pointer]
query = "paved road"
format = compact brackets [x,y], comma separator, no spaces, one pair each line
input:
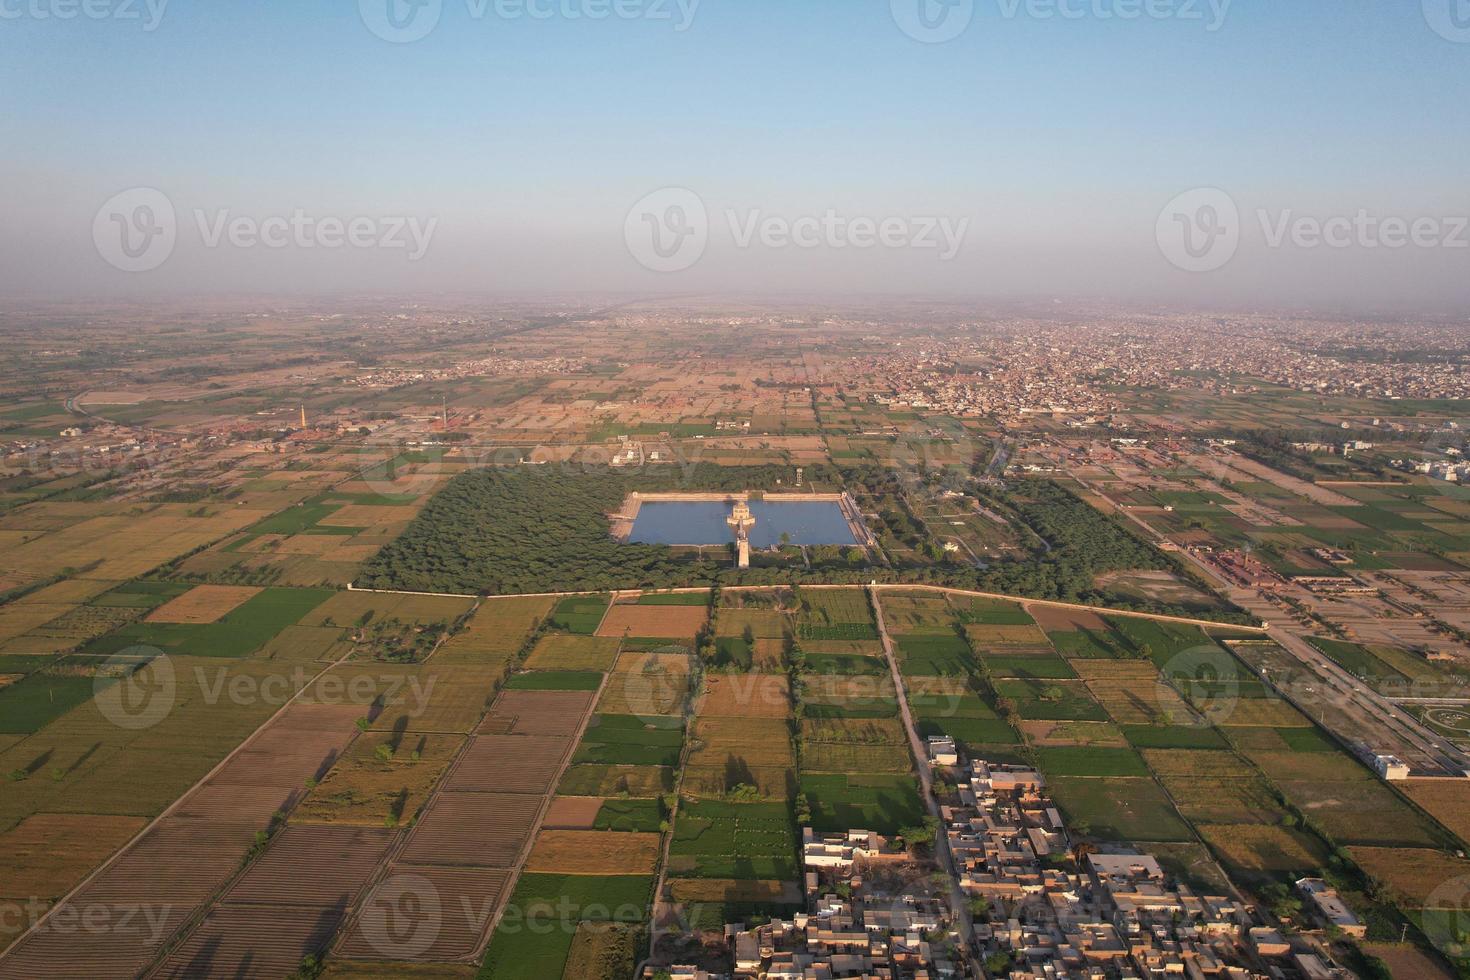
[957,898]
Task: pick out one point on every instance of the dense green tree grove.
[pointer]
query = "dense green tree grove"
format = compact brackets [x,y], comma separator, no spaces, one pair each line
[545,529]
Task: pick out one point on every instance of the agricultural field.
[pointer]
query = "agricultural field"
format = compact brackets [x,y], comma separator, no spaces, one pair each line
[933,655]
[580,614]
[732,752]
[562,651]
[656,621]
[536,940]
[628,740]
[842,745]
[593,852]
[885,804]
[744,841]
[382,780]
[496,632]
[646,684]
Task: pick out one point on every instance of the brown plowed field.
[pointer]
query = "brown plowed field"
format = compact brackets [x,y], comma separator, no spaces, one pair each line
[161,880]
[473,829]
[145,896]
[456,906]
[312,865]
[251,943]
[510,764]
[538,712]
[573,813]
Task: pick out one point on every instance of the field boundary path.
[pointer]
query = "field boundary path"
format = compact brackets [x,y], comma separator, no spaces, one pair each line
[879,586]
[942,855]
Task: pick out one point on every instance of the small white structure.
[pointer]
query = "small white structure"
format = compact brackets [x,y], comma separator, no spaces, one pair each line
[1391,768]
[942,751]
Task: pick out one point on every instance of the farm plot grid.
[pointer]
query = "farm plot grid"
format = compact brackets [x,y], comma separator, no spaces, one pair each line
[189,854]
[468,847]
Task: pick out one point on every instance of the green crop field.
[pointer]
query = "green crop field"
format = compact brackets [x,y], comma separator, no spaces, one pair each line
[939,655]
[535,934]
[882,804]
[240,632]
[1129,809]
[714,839]
[630,816]
[555,680]
[1089,761]
[624,740]
[580,614]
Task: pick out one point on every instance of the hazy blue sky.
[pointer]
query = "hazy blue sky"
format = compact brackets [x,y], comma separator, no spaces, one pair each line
[1057,139]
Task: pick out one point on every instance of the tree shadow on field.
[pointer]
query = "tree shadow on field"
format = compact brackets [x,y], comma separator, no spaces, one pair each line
[81,759]
[200,963]
[399,727]
[39,762]
[328,761]
[737,773]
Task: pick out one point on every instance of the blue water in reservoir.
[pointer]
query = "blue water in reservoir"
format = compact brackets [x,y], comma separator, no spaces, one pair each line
[808,522]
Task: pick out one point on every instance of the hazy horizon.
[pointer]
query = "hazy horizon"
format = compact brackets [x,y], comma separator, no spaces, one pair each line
[994,149]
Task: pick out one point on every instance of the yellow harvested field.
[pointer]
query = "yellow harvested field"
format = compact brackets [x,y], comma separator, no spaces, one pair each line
[347,608]
[765,624]
[139,543]
[203,604]
[560,651]
[982,636]
[1254,847]
[1416,873]
[1262,713]
[48,854]
[739,891]
[363,515]
[1446,800]
[496,632]
[594,852]
[646,684]
[19,618]
[745,696]
[672,622]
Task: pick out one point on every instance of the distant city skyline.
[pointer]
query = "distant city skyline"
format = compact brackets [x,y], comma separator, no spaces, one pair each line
[1185,152]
